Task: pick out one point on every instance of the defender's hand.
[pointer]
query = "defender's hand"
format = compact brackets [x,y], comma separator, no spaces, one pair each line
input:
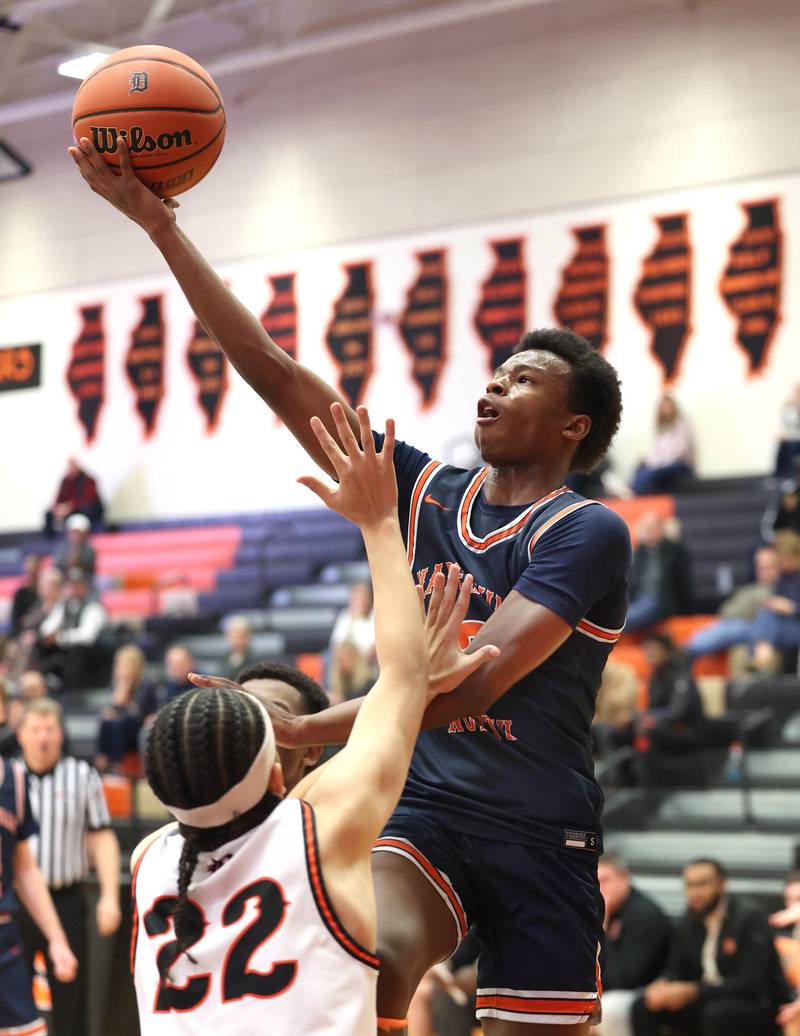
[124,190]
[447,608]
[286,726]
[367,490]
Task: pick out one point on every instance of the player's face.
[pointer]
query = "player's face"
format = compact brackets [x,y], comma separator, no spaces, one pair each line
[282,696]
[524,414]
[704,888]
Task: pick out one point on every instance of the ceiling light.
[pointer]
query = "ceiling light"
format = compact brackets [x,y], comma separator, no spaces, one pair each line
[81,67]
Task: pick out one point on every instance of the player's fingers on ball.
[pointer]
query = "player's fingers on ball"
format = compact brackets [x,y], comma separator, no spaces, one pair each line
[94,158]
[346,436]
[125,157]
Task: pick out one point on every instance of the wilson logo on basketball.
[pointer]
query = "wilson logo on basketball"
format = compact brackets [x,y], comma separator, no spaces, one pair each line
[137,83]
[105,139]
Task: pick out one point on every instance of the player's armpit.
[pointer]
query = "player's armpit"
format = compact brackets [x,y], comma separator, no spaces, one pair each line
[526,633]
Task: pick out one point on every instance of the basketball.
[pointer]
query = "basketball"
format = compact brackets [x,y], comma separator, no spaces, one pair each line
[164,104]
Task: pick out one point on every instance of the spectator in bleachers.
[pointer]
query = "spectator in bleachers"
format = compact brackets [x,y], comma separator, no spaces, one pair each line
[26,596]
[283,687]
[776,628]
[9,746]
[132,698]
[637,942]
[789,440]
[32,684]
[77,494]
[25,654]
[674,707]
[735,624]
[660,576]
[356,623]
[351,675]
[615,708]
[671,457]
[178,663]
[77,551]
[69,638]
[787,943]
[237,634]
[723,976]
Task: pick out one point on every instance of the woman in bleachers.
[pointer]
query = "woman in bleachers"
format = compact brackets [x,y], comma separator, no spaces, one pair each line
[132,698]
[351,674]
[671,457]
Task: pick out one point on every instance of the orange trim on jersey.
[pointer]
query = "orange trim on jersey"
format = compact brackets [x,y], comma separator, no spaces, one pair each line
[556,518]
[392,1024]
[434,875]
[413,507]
[320,896]
[135,920]
[34,1029]
[599,632]
[484,542]
[531,1005]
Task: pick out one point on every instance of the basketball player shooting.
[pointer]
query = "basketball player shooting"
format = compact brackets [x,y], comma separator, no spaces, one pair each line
[257,912]
[498,826]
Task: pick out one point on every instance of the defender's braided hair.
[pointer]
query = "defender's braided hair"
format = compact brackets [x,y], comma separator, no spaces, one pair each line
[202,744]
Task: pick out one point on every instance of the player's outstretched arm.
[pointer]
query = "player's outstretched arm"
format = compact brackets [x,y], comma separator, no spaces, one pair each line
[294,393]
[30,886]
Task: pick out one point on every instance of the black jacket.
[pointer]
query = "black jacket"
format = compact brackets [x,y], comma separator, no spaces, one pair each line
[746,957]
[637,943]
[672,694]
[674,576]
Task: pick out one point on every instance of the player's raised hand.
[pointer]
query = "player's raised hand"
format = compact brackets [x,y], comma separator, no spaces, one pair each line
[124,190]
[447,609]
[367,489]
[286,726]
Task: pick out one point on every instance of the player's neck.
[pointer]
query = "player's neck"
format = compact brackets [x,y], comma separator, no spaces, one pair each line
[522,484]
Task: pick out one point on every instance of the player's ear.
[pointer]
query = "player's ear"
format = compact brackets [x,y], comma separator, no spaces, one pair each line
[578,427]
[276,782]
[311,756]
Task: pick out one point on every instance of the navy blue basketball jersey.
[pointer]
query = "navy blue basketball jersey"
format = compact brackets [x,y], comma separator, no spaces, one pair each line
[16,824]
[523,771]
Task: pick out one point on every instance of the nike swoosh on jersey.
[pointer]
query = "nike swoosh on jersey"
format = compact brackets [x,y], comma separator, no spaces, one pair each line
[429,500]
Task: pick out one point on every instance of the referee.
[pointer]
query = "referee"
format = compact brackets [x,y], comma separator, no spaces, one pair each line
[68,802]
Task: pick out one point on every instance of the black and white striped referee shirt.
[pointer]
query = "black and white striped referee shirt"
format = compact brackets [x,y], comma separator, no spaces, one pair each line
[68,802]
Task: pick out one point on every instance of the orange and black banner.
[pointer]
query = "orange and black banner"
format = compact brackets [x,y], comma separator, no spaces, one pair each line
[20,367]
[279,319]
[349,335]
[663,294]
[500,317]
[582,300]
[423,325]
[144,362]
[209,368]
[86,370]
[752,281]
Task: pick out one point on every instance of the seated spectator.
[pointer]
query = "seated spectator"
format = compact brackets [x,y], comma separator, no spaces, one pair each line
[735,624]
[77,494]
[615,709]
[132,698]
[674,707]
[671,457]
[356,623]
[660,576]
[69,638]
[776,628]
[637,942]
[26,596]
[11,709]
[32,684]
[787,943]
[351,676]
[178,663]
[77,551]
[789,439]
[723,976]
[237,633]
[25,650]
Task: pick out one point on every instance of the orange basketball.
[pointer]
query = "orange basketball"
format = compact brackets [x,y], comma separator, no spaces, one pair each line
[167,108]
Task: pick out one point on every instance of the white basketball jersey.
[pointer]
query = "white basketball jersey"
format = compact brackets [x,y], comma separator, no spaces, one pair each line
[269,954]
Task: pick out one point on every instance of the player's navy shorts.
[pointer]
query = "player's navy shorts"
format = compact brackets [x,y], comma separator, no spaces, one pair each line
[18,1015]
[537,913]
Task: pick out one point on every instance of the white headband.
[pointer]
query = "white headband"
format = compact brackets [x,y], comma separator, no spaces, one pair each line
[242,796]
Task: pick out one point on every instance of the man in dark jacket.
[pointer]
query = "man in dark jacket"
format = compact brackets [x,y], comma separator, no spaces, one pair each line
[674,707]
[636,946]
[660,576]
[723,976]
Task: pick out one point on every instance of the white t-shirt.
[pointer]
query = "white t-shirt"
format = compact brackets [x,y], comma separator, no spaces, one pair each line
[270,955]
